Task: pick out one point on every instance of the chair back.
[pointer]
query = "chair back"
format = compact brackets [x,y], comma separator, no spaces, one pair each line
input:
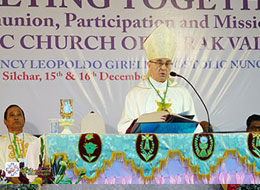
[92,123]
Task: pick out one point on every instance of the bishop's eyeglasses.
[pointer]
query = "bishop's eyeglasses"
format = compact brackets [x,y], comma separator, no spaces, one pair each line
[160,63]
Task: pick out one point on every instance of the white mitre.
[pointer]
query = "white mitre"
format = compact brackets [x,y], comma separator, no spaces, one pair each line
[160,44]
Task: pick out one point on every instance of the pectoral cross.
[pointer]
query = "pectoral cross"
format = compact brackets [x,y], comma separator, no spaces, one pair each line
[163,106]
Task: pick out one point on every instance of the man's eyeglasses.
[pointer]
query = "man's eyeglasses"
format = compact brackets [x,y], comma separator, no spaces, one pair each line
[254,128]
[167,64]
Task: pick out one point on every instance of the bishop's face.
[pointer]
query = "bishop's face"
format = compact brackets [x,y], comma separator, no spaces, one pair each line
[160,69]
[14,120]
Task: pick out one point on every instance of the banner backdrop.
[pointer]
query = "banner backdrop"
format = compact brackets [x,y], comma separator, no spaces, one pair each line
[91,51]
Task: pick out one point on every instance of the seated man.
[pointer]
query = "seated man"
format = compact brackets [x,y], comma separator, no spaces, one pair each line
[157,92]
[253,123]
[14,120]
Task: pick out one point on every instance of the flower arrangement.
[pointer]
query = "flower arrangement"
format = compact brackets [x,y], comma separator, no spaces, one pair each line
[56,173]
[244,187]
[3,179]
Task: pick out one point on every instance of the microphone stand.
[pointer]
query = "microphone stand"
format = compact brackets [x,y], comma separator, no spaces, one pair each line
[173,74]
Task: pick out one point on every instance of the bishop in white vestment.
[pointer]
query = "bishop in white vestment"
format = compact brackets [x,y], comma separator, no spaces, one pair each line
[157,92]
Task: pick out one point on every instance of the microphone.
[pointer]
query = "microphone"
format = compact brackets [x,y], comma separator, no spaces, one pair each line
[173,74]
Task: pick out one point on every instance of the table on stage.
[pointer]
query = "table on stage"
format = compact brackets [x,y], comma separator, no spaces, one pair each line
[159,158]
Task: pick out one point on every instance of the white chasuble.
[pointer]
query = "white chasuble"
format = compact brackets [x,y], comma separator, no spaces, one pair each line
[144,99]
[8,153]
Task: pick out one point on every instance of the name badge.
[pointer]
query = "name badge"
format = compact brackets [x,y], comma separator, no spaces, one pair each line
[12,169]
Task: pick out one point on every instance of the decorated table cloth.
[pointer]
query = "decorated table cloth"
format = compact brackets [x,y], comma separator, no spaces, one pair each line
[159,158]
